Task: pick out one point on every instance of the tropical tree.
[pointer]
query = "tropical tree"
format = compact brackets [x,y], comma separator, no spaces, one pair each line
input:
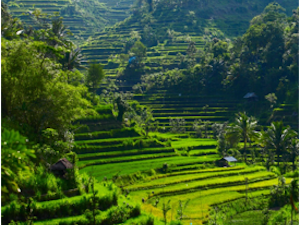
[59,32]
[138,50]
[147,120]
[181,208]
[244,128]
[94,76]
[11,27]
[73,59]
[293,148]
[177,125]
[198,127]
[122,107]
[205,125]
[277,137]
[35,92]
[165,208]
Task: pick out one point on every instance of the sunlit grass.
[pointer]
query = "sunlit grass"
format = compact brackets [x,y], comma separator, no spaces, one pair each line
[185,178]
[207,184]
[108,170]
[193,142]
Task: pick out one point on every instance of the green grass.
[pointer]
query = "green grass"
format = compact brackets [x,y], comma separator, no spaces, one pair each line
[57,221]
[203,152]
[85,163]
[193,142]
[204,199]
[250,217]
[186,178]
[108,170]
[211,183]
[166,135]
[108,140]
[125,152]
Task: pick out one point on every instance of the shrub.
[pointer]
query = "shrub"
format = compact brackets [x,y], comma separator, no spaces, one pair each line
[63,208]
[116,215]
[149,221]
[128,143]
[165,167]
[152,172]
[136,211]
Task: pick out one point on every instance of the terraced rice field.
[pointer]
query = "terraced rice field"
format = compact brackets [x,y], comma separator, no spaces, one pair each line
[194,177]
[215,109]
[204,188]
[288,114]
[84,22]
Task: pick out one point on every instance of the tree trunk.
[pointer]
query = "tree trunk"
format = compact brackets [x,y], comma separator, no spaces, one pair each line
[291,214]
[278,159]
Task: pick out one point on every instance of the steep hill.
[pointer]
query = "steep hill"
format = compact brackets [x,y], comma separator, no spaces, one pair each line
[82,17]
[149,172]
[173,23]
[168,28]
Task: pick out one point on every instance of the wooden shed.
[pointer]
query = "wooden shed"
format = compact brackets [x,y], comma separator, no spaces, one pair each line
[225,161]
[61,166]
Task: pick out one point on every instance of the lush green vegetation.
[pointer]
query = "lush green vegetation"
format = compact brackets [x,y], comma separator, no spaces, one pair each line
[143,137]
[83,18]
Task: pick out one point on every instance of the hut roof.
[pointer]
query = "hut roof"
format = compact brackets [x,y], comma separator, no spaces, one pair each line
[62,164]
[230,159]
[250,95]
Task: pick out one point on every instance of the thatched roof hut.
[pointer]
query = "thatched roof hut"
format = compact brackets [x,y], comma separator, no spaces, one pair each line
[61,166]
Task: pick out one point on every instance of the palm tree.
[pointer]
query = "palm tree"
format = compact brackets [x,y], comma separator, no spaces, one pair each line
[244,128]
[73,59]
[59,32]
[293,149]
[278,137]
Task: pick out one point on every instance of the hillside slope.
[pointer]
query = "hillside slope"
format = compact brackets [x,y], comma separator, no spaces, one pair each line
[82,17]
[173,22]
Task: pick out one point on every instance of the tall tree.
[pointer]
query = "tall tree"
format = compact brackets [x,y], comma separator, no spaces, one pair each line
[277,137]
[34,91]
[139,51]
[165,208]
[94,76]
[11,27]
[244,128]
[293,149]
[73,59]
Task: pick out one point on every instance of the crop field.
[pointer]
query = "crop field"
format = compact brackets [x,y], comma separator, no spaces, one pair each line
[161,173]
[83,23]
[205,193]
[185,178]
[213,109]
[251,217]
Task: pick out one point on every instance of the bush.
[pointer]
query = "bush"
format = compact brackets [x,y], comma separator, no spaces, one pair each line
[136,211]
[149,221]
[165,167]
[63,208]
[116,215]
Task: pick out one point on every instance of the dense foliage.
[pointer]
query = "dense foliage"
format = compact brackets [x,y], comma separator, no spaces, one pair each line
[40,101]
[263,60]
[52,109]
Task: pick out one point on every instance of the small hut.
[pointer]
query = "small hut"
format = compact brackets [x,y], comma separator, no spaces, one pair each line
[61,166]
[251,96]
[224,161]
